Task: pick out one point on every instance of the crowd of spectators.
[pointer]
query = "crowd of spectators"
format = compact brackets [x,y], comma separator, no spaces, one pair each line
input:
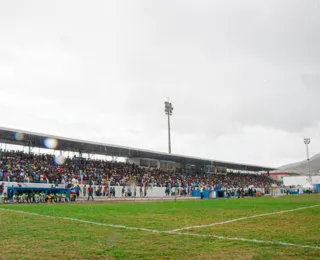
[42,168]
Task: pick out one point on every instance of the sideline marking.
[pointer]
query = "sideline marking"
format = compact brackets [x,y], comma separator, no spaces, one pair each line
[243,218]
[168,232]
[79,220]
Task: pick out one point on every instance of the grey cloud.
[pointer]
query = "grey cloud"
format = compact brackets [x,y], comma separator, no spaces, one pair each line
[226,65]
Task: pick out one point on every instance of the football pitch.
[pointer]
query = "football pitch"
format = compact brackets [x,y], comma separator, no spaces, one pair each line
[286,227]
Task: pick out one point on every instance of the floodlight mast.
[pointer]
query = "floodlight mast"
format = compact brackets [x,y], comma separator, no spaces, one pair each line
[307,142]
[168,111]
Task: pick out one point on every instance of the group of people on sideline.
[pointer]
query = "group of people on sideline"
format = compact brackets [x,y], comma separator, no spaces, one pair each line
[34,197]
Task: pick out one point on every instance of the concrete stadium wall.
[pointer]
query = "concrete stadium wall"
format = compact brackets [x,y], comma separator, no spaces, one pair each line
[151,192]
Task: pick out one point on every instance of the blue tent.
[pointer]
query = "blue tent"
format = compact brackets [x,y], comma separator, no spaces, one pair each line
[316,187]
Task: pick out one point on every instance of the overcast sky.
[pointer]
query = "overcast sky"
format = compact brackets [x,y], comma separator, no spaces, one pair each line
[243,76]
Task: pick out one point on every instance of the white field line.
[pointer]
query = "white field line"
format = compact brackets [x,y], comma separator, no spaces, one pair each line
[243,218]
[248,240]
[80,220]
[167,232]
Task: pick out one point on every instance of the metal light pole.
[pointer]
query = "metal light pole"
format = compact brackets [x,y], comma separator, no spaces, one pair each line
[168,110]
[307,142]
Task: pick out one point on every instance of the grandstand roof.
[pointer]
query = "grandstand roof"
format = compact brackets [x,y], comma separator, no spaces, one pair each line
[8,136]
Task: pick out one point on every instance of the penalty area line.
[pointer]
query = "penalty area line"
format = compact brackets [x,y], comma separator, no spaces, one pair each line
[164,232]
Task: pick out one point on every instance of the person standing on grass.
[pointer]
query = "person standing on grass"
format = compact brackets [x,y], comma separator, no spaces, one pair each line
[90,192]
[2,198]
[78,189]
[228,194]
[104,190]
[1,188]
[37,198]
[64,197]
[84,190]
[201,192]
[167,191]
[109,191]
[53,197]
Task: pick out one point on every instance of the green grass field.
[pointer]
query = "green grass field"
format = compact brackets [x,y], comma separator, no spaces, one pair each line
[81,231]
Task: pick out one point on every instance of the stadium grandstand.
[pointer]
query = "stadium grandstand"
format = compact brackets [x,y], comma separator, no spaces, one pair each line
[141,171]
